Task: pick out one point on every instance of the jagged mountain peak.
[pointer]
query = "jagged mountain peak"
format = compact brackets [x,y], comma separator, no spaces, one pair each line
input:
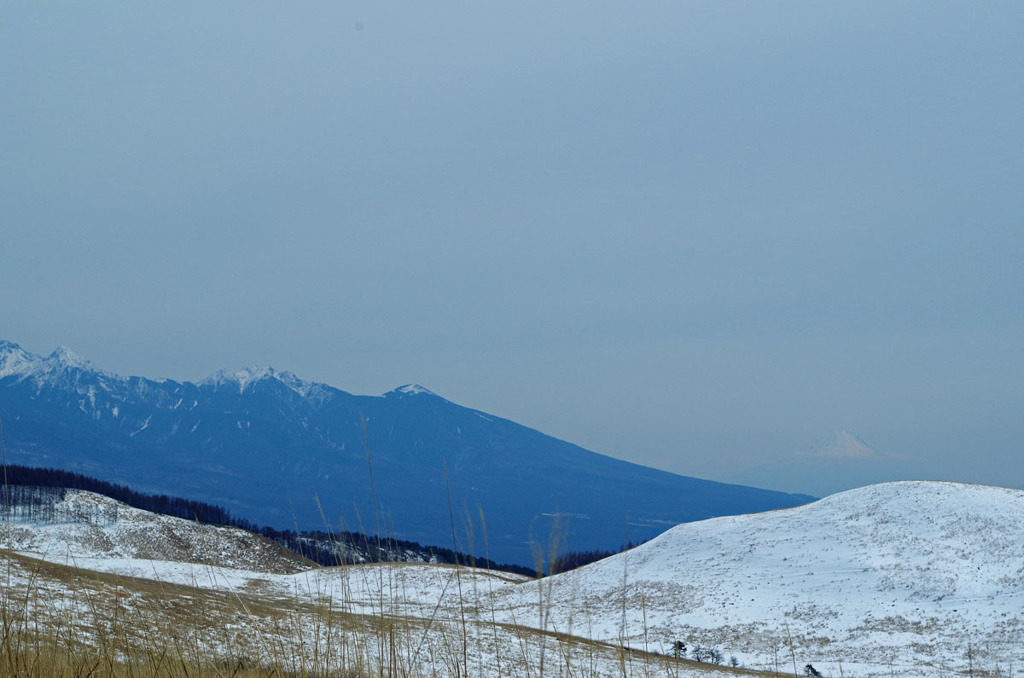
[16,361]
[239,379]
[64,358]
[411,390]
[9,347]
[244,378]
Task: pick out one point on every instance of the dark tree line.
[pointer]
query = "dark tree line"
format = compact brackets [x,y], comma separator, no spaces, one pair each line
[26,502]
[31,493]
[43,505]
[574,559]
[352,548]
[155,503]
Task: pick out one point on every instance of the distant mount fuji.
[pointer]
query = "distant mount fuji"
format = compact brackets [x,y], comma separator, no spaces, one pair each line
[278,450]
[842,445]
[838,462]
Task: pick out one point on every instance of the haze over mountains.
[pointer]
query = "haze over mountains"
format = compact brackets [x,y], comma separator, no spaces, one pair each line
[840,461]
[278,450]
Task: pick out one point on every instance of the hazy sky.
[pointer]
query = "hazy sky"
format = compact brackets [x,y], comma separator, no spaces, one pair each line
[696,235]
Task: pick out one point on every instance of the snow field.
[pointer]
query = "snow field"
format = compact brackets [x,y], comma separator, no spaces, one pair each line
[893,579]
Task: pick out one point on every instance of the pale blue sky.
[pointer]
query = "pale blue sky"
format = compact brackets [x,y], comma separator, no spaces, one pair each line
[696,235]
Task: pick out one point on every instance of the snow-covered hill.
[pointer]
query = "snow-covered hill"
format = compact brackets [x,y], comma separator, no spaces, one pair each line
[900,577]
[83,527]
[226,599]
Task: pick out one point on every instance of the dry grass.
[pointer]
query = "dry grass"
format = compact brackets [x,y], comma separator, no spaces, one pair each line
[58,620]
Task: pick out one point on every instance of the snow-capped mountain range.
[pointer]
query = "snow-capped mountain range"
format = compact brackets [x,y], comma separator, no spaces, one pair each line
[278,450]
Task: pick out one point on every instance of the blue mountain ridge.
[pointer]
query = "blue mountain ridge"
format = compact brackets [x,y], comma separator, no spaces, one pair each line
[280,451]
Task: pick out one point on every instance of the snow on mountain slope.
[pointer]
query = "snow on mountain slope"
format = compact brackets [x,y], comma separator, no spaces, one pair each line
[279,451]
[411,389]
[15,361]
[85,525]
[239,380]
[898,575]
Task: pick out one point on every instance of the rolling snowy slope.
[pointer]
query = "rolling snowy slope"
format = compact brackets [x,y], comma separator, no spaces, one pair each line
[84,527]
[898,577]
[236,600]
